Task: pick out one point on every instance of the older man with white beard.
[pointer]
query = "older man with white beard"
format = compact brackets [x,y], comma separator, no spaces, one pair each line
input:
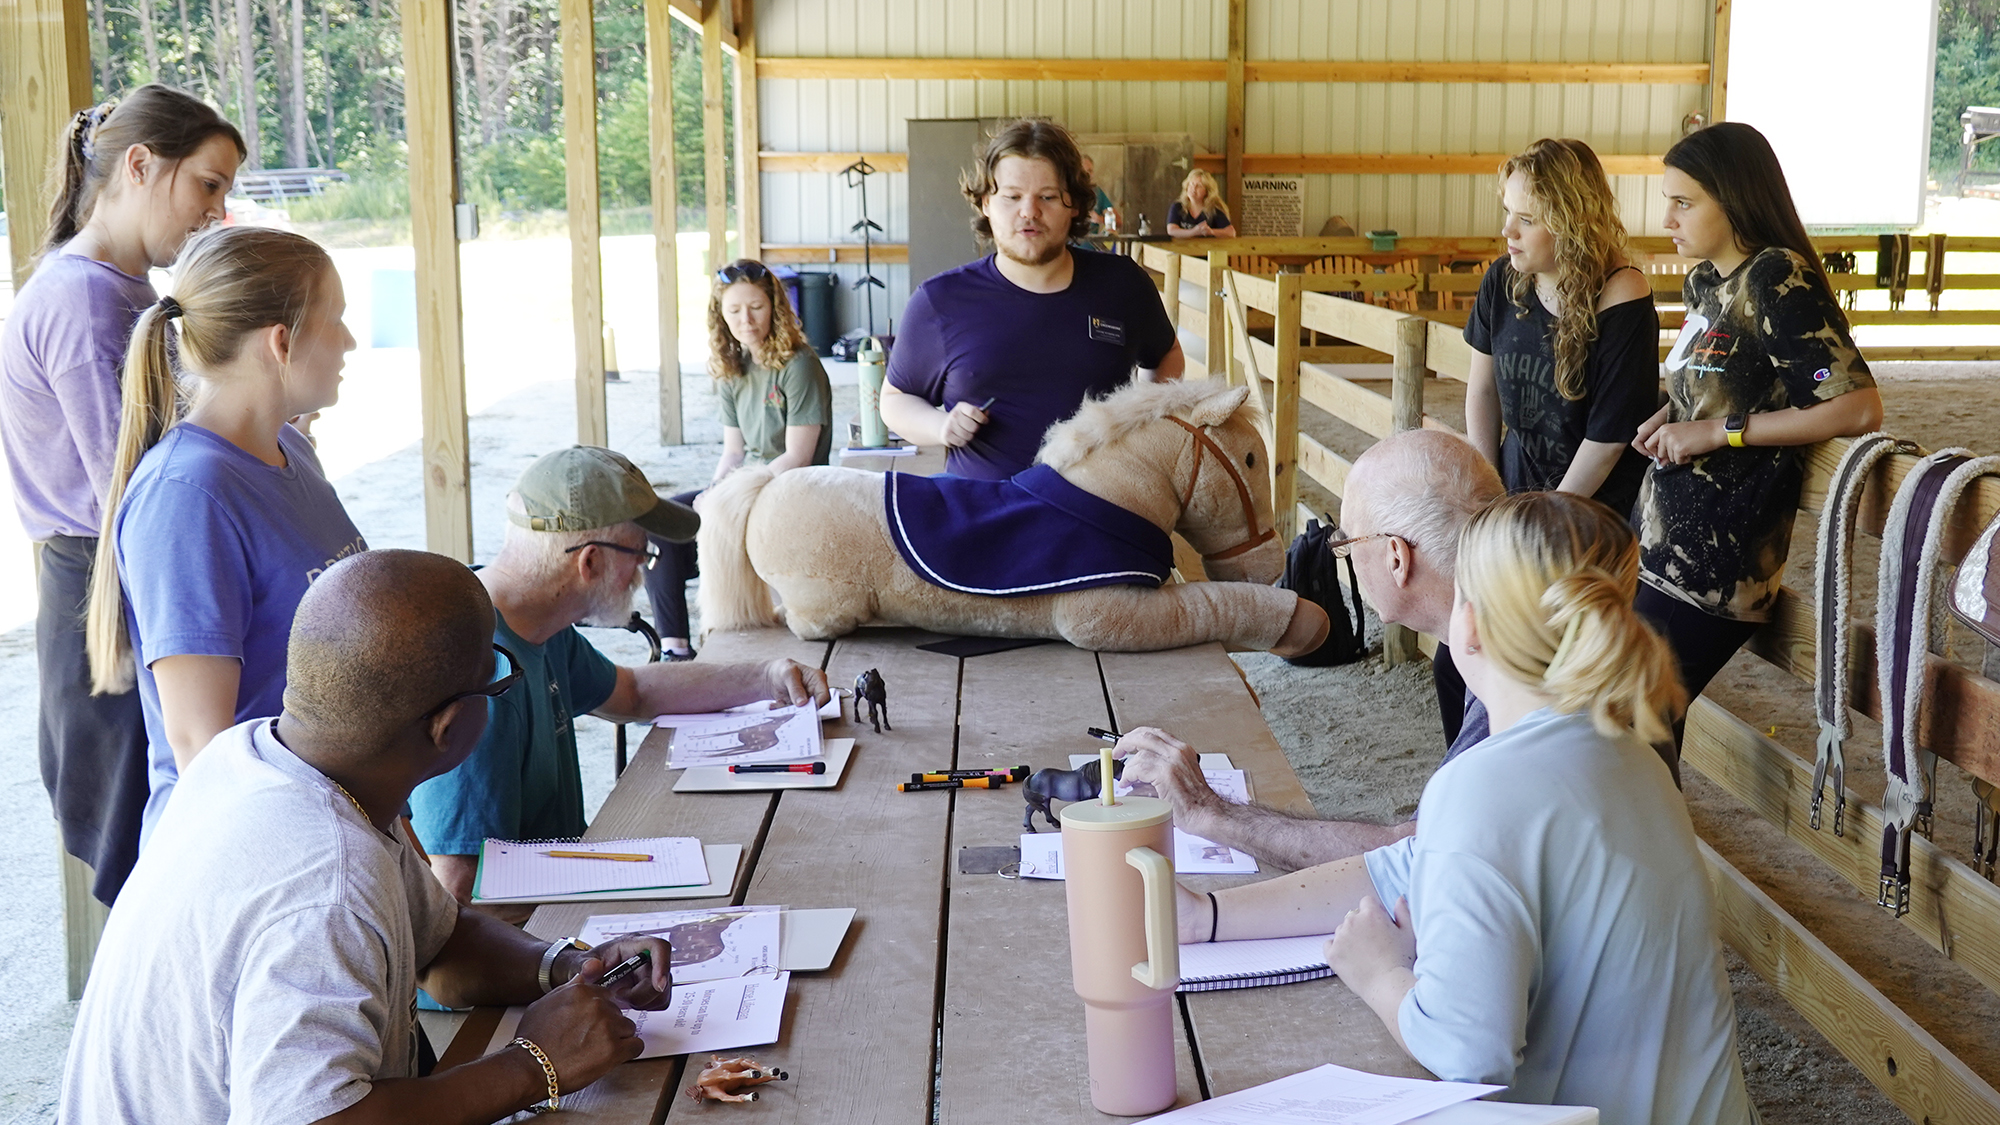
[575,551]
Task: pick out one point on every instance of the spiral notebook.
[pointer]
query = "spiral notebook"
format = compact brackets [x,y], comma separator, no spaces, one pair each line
[525,872]
[1211,966]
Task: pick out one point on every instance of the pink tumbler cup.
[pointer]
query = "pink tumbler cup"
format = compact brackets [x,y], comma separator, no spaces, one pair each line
[1124,947]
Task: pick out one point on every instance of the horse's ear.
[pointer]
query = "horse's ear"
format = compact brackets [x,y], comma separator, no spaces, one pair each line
[1217,409]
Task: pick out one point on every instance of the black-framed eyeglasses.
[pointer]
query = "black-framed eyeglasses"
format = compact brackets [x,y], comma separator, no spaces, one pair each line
[745,270]
[1341,548]
[649,555]
[507,673]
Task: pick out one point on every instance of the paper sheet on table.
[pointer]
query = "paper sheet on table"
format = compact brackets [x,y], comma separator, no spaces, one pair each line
[743,736]
[1041,856]
[1327,1095]
[525,872]
[719,1015]
[879,451]
[1230,783]
[707,944]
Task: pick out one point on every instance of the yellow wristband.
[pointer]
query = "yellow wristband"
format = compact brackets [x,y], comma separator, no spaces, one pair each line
[548,1072]
[1736,438]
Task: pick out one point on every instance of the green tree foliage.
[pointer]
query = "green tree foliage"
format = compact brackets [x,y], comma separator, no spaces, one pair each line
[1968,74]
[509,93]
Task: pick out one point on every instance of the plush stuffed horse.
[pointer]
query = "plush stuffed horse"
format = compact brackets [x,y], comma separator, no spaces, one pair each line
[1181,456]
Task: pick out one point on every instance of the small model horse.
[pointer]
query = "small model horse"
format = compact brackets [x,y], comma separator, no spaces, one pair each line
[720,1080]
[1184,457]
[1079,784]
[869,688]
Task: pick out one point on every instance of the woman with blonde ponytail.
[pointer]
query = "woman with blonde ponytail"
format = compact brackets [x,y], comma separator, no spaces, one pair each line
[135,177]
[218,515]
[1549,927]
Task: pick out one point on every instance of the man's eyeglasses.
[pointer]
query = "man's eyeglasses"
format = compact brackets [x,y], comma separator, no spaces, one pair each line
[507,673]
[745,270]
[648,554]
[1341,548]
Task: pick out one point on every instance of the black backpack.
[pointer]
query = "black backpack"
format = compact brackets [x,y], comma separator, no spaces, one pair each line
[1313,573]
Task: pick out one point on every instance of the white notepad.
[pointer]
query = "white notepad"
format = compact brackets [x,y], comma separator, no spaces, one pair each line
[1212,965]
[526,872]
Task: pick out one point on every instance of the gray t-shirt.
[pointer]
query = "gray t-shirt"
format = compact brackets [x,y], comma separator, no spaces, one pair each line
[1566,941]
[261,962]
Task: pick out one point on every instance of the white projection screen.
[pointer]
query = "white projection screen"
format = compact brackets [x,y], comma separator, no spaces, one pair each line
[1843,90]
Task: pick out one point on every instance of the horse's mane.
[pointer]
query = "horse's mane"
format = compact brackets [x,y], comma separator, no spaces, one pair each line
[1105,421]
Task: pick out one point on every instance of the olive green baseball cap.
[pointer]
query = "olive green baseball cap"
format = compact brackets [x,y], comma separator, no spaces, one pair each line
[586,487]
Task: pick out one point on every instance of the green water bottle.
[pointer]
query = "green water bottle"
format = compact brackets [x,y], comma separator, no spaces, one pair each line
[874,435]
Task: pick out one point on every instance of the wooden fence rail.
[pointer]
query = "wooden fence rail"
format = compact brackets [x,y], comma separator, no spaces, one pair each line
[1954,910]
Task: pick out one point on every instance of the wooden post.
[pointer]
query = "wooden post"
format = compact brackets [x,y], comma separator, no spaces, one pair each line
[1232,138]
[715,197]
[749,189]
[666,211]
[1218,326]
[1406,405]
[1285,408]
[1718,66]
[1171,294]
[44,80]
[586,264]
[428,52]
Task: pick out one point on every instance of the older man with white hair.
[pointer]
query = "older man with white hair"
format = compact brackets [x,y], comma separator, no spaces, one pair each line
[576,546]
[1406,499]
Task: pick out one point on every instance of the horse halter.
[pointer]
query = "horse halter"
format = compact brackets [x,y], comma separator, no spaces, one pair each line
[1204,443]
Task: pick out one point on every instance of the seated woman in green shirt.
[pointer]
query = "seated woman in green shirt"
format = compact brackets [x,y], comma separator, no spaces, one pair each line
[776,409]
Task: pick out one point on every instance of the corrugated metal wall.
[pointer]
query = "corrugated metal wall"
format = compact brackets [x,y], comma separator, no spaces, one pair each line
[799,115]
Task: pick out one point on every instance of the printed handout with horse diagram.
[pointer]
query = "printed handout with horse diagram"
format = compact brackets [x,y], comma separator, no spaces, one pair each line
[743,736]
[707,944]
[715,1015]
[1193,855]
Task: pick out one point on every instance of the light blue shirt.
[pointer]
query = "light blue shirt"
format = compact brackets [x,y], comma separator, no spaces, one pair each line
[1566,940]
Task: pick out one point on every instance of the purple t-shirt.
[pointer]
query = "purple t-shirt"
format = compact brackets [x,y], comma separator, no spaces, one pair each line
[62,354]
[970,335]
[215,549]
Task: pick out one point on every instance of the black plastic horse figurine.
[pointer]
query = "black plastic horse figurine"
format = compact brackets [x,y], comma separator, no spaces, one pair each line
[868,687]
[1064,785]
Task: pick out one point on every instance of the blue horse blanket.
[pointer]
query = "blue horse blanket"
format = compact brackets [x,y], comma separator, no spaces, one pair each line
[1034,533]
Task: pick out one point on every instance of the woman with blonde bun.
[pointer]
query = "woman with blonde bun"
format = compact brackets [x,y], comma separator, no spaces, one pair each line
[1552,929]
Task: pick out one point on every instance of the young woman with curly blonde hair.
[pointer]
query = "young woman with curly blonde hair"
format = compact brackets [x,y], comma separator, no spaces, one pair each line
[1565,337]
[776,408]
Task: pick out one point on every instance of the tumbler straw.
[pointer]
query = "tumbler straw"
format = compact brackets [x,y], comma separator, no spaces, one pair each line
[1109,795]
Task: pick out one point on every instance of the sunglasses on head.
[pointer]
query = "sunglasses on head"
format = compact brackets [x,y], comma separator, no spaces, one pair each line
[742,271]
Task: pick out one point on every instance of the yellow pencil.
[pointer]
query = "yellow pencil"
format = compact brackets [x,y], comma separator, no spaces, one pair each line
[622,857]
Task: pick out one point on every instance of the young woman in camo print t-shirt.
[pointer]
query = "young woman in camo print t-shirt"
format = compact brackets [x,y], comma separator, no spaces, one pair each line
[1764,366]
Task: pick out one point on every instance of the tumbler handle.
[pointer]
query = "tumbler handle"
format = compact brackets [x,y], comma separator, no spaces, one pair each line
[1162,967]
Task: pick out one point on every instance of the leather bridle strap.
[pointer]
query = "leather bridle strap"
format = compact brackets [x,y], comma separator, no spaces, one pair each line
[1204,443]
[1835,591]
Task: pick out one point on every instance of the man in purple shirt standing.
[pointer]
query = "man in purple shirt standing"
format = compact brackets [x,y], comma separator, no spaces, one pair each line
[996,351]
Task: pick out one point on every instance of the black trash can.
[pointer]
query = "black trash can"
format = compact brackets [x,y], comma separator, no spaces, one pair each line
[816,311]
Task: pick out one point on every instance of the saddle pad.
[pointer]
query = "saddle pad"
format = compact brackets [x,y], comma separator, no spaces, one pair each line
[1034,533]
[1975,596]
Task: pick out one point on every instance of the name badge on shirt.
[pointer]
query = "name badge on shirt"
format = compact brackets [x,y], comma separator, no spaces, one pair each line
[1107,331]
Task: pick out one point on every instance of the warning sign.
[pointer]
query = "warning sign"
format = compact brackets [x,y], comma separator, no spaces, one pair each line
[1272,207]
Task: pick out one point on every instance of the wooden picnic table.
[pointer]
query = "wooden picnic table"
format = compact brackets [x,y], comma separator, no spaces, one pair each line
[951,998]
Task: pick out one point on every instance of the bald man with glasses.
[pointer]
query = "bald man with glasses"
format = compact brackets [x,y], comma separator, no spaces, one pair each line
[575,552]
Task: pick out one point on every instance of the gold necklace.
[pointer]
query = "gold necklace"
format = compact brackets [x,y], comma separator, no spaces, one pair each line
[352,801]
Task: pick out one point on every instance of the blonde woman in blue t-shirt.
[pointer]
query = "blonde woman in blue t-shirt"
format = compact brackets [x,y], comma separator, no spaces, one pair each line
[1549,927]
[776,408]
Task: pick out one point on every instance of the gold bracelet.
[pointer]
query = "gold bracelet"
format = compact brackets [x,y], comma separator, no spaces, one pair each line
[548,1071]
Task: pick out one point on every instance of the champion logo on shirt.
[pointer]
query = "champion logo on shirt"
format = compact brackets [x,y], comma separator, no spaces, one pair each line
[1822,375]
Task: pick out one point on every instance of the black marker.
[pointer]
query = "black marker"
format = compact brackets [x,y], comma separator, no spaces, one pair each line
[1102,735]
[626,968]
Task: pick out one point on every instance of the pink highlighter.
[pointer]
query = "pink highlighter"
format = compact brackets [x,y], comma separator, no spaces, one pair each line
[1124,944]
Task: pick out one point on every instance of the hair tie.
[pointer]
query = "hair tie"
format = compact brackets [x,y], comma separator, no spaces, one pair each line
[88,122]
[170,308]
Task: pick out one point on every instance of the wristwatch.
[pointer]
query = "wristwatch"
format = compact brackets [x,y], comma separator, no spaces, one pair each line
[542,974]
[1734,425]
